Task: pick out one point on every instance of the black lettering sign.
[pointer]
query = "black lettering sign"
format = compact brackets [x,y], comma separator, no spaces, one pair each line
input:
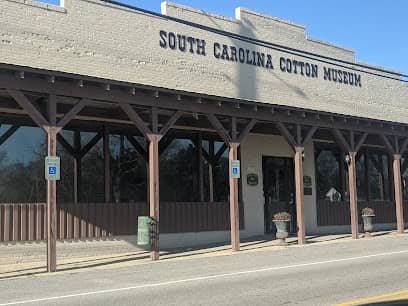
[296,66]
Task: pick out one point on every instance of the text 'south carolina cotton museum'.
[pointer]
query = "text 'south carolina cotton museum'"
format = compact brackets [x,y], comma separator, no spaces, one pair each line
[149,112]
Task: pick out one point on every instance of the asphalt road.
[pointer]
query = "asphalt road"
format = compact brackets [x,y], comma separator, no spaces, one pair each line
[315,274]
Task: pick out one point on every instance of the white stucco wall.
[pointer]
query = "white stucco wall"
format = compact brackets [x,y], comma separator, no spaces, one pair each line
[252,150]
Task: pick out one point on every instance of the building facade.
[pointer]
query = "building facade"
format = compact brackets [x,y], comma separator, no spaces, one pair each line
[146,110]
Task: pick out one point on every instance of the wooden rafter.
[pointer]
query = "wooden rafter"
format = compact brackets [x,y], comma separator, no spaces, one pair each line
[219,128]
[66,145]
[135,118]
[286,134]
[34,113]
[360,142]
[309,135]
[138,147]
[170,122]
[7,134]
[246,130]
[388,145]
[91,144]
[404,145]
[72,113]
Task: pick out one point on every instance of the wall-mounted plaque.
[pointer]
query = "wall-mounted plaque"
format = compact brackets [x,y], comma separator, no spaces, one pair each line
[252,179]
[307,181]
[307,191]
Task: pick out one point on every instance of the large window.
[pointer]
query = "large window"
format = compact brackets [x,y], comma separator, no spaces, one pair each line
[128,170]
[373,178]
[22,166]
[372,174]
[328,175]
[404,174]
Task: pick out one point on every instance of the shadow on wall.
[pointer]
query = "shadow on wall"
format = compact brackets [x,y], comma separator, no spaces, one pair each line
[246,73]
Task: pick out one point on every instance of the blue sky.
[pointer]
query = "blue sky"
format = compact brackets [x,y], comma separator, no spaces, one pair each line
[375,29]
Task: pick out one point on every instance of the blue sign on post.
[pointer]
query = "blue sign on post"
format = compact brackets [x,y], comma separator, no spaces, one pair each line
[235,169]
[52,168]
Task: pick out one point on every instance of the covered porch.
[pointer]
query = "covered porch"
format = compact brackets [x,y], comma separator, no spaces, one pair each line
[76,113]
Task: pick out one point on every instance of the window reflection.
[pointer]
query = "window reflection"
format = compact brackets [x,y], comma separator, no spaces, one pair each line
[22,166]
[328,174]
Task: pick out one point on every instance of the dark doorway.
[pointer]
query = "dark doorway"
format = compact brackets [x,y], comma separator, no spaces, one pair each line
[279,191]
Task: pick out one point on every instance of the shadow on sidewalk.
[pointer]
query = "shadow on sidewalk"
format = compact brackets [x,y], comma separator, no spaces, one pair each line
[217,249]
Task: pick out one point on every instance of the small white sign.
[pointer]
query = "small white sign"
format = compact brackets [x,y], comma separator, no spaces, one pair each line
[52,168]
[235,169]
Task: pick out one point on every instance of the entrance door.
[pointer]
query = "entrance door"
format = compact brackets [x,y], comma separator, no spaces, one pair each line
[279,192]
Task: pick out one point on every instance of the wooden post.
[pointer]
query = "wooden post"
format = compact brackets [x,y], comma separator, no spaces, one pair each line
[200,167]
[154,188]
[234,209]
[106,156]
[77,167]
[353,194]
[300,216]
[52,189]
[210,171]
[398,192]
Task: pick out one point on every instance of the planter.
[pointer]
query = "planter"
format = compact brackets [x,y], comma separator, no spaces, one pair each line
[368,224]
[282,230]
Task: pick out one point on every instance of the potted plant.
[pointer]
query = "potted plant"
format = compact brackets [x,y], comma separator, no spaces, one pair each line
[367,213]
[281,220]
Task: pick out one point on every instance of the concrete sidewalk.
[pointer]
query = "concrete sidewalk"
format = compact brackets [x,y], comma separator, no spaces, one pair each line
[29,259]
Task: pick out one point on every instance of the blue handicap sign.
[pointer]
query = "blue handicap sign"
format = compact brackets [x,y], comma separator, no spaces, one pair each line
[52,170]
[234,170]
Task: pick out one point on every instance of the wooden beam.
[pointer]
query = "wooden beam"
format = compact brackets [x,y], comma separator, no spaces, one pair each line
[246,130]
[234,208]
[219,153]
[65,144]
[199,148]
[360,142]
[7,134]
[51,209]
[387,144]
[139,148]
[219,128]
[106,158]
[72,113]
[34,114]
[352,140]
[353,194]
[135,118]
[91,144]
[298,134]
[300,215]
[404,165]
[117,95]
[338,135]
[154,188]
[77,167]
[396,142]
[170,122]
[51,189]
[206,156]
[210,170]
[155,119]
[164,144]
[398,193]
[404,146]
[309,135]
[286,134]
[234,132]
